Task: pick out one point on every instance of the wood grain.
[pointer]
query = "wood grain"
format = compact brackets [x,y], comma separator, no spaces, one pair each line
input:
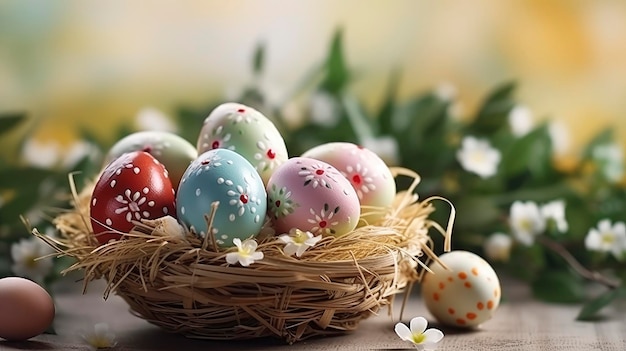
[521,323]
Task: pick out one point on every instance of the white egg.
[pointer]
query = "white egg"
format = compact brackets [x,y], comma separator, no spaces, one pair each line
[464,295]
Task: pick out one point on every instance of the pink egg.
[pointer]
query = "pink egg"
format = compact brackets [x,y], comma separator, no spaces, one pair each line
[313,196]
[367,172]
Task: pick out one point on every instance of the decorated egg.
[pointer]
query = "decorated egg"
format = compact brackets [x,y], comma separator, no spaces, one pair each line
[133,187]
[464,296]
[174,152]
[311,195]
[228,179]
[369,175]
[246,131]
[27,309]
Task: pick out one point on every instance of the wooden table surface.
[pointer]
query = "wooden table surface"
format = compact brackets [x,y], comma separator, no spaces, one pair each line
[519,324]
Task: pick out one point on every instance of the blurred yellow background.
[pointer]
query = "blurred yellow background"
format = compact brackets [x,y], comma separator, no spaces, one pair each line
[92,63]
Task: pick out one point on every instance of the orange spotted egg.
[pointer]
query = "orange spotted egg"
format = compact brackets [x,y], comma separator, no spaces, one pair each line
[465,294]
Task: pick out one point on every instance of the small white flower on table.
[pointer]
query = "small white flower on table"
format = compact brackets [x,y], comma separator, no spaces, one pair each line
[29,261]
[246,253]
[101,337]
[526,221]
[421,338]
[478,156]
[298,241]
[607,237]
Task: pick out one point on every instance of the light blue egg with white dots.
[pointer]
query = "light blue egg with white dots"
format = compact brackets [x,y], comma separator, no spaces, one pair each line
[225,177]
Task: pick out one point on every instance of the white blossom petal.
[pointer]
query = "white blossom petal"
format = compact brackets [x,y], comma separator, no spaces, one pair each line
[403,332]
[418,325]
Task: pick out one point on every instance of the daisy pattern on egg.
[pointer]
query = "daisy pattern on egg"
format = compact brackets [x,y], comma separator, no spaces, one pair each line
[317,174]
[322,221]
[311,195]
[360,179]
[266,156]
[280,203]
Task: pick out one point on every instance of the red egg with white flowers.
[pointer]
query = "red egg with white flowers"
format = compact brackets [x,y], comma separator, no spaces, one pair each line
[132,187]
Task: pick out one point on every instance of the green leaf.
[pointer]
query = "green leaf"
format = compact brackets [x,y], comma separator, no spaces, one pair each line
[386,112]
[591,308]
[258,60]
[606,136]
[494,111]
[337,73]
[8,121]
[558,286]
[532,152]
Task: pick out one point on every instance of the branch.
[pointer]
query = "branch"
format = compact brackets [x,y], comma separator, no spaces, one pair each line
[577,266]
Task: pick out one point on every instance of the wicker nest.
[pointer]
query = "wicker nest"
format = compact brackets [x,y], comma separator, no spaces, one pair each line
[183,284]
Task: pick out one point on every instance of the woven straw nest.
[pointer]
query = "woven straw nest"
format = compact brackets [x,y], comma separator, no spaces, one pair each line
[182,284]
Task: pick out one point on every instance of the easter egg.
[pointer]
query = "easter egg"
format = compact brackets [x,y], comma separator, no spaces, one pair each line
[246,131]
[369,175]
[225,177]
[313,196]
[174,152]
[464,296]
[132,187]
[27,309]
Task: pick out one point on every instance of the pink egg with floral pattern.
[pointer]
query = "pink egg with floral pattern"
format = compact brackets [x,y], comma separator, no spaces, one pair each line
[367,172]
[465,294]
[311,195]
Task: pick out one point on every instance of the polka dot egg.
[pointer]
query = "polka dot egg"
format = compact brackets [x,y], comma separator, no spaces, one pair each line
[225,177]
[464,295]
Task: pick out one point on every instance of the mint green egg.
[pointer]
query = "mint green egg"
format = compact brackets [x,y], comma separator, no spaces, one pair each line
[246,131]
[174,152]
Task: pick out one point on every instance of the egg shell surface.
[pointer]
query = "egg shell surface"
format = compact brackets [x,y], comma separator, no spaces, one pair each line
[313,196]
[248,132]
[174,152]
[367,172]
[132,187]
[222,176]
[464,296]
[26,309]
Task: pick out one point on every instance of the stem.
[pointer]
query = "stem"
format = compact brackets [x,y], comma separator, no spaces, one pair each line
[577,266]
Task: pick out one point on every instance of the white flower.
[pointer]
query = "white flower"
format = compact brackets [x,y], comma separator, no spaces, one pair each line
[607,238]
[77,151]
[41,154]
[150,118]
[246,253]
[421,338]
[555,211]
[611,159]
[446,91]
[324,109]
[477,156]
[385,147]
[520,120]
[100,337]
[560,137]
[27,259]
[526,221]
[498,247]
[298,241]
